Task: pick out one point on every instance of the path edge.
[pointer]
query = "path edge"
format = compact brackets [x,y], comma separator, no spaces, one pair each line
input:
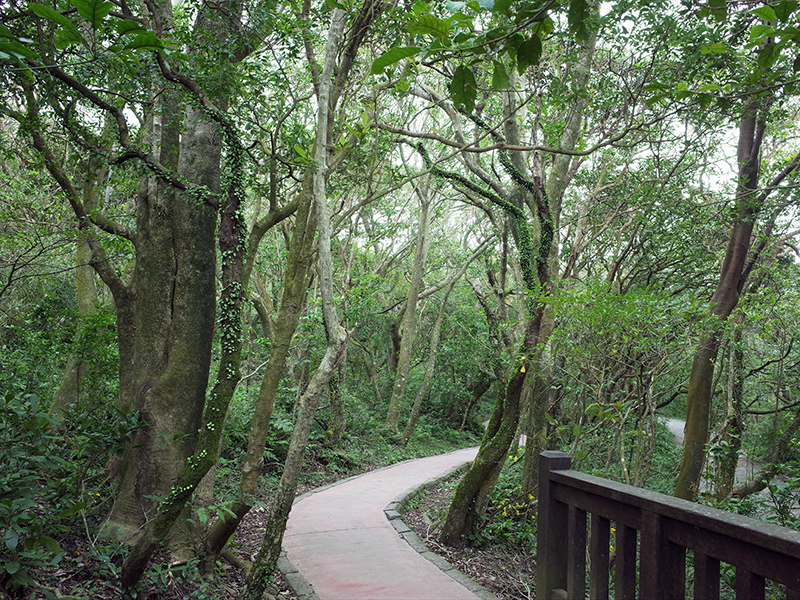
[393,512]
[305,591]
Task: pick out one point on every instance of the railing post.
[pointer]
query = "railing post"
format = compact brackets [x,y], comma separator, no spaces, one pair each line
[662,568]
[552,527]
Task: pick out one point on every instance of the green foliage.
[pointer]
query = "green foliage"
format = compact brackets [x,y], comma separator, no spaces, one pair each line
[510,519]
[51,478]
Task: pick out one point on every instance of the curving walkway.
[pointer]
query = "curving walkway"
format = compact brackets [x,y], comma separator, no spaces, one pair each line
[346,541]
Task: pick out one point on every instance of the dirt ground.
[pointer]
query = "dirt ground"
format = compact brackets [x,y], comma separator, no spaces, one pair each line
[509,574]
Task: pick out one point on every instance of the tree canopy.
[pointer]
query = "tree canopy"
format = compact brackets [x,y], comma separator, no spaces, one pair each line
[243,235]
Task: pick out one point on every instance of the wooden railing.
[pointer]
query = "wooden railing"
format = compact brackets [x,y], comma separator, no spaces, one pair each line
[662,528]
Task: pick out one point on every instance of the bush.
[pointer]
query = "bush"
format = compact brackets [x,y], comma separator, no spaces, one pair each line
[50,482]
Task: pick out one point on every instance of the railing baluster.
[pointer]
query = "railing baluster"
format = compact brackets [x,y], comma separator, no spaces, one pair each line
[662,564]
[706,577]
[749,586]
[625,563]
[598,568]
[553,521]
[666,529]
[576,567]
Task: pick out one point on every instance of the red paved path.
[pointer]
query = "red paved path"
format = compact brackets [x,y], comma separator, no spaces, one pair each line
[342,543]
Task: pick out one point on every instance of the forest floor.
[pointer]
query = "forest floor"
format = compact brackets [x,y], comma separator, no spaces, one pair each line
[508,572]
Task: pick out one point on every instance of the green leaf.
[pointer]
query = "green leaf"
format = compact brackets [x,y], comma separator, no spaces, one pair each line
[11,539]
[391,56]
[528,53]
[7,33]
[796,64]
[500,80]
[68,31]
[576,17]
[12,567]
[454,7]
[430,25]
[760,31]
[463,88]
[486,4]
[718,48]
[93,11]
[502,7]
[719,9]
[14,48]
[72,510]
[767,55]
[765,13]
[785,10]
[126,27]
[145,40]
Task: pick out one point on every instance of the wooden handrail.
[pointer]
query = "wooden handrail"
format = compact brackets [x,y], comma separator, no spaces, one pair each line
[666,527]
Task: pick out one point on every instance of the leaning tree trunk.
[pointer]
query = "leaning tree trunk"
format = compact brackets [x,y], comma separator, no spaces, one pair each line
[733,275]
[295,286]
[725,298]
[275,527]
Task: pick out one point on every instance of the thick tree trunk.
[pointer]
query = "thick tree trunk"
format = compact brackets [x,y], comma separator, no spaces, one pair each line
[174,283]
[175,319]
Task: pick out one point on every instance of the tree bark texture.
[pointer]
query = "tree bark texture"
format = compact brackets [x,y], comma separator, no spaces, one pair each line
[731,281]
[409,323]
[337,338]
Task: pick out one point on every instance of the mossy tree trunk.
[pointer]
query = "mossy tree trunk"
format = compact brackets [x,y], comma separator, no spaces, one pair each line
[296,278]
[337,338]
[409,322]
[538,391]
[736,267]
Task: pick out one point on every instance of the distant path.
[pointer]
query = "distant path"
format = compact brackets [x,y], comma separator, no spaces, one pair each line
[745,468]
[341,542]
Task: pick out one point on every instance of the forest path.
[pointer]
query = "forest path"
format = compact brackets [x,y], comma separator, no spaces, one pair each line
[341,542]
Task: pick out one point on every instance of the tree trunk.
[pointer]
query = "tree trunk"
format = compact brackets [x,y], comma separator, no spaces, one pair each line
[69,391]
[174,283]
[732,430]
[408,327]
[284,497]
[558,179]
[733,275]
[338,419]
[472,494]
[295,286]
[429,370]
